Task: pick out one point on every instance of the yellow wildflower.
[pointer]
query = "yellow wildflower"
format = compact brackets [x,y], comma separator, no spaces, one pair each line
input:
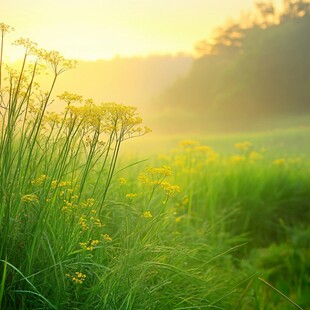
[159,171]
[54,183]
[243,146]
[83,222]
[30,46]
[68,206]
[52,118]
[64,183]
[106,237]
[143,178]
[97,222]
[30,198]
[122,181]
[178,219]
[169,189]
[237,158]
[69,98]
[147,214]
[131,195]
[77,277]
[56,61]
[4,28]
[90,202]
[203,148]
[90,245]
[39,180]
[111,118]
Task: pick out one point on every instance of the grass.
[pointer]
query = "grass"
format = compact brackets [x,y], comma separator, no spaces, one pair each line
[84,225]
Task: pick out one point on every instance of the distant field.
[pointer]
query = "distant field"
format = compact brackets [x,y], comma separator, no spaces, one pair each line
[281,141]
[250,188]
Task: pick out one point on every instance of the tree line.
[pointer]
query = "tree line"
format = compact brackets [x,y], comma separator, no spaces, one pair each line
[254,68]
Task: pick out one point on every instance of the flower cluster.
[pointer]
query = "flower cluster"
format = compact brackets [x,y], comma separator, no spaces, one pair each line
[89,245]
[88,222]
[169,189]
[191,157]
[111,118]
[122,181]
[131,195]
[243,146]
[31,48]
[39,180]
[57,62]
[154,175]
[69,206]
[4,28]
[30,198]
[147,214]
[77,277]
[106,237]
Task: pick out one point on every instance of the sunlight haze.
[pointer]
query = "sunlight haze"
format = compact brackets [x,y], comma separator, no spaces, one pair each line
[101,29]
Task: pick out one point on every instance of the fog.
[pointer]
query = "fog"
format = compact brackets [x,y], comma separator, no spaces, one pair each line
[252,75]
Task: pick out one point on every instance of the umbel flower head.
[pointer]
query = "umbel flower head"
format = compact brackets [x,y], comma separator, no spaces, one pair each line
[30,46]
[119,120]
[57,62]
[4,28]
[54,60]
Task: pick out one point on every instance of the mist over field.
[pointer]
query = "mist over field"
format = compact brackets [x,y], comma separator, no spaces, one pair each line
[252,75]
[135,81]
[248,77]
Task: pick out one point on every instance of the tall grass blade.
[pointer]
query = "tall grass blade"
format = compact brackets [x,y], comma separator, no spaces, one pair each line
[35,292]
[3,282]
[279,292]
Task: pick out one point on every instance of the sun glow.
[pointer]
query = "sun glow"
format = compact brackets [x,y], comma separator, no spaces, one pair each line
[101,29]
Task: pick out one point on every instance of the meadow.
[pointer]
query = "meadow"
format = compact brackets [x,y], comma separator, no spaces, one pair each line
[216,222]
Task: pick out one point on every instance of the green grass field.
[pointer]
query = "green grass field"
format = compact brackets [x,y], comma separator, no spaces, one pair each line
[89,221]
[192,228]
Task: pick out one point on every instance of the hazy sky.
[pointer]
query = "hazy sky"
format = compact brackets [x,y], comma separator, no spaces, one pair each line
[94,29]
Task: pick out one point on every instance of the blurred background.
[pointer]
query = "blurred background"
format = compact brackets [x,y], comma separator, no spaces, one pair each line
[193,67]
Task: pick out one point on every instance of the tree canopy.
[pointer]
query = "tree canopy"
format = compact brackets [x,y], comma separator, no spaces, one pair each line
[253,68]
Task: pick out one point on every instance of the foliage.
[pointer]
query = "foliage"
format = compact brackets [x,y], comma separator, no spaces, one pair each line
[254,69]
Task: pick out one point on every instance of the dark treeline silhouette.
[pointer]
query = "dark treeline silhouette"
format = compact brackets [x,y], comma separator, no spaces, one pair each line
[254,69]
